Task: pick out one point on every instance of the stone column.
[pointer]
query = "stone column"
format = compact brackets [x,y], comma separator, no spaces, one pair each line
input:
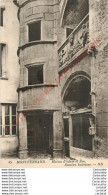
[22,136]
[57,134]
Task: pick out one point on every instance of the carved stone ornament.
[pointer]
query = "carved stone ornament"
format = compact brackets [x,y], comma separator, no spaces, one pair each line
[71,38]
[77,47]
[92,128]
[60,60]
[61,57]
[85,35]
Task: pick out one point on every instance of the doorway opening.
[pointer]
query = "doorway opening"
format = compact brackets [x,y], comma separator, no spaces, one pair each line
[77,101]
[40,133]
[81,137]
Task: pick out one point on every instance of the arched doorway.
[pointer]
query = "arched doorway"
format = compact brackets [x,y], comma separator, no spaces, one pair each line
[77,112]
[72,13]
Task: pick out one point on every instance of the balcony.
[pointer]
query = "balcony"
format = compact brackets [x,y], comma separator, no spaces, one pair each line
[75,43]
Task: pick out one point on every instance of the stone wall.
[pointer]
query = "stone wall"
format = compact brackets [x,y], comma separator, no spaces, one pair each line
[44,51]
[99,73]
[9,35]
[9,145]
[97,68]
[41,52]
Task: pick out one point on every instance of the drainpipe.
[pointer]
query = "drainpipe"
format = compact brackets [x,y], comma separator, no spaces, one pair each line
[17,4]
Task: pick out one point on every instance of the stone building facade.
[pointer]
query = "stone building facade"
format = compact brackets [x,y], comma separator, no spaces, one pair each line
[9,76]
[88,21]
[62,94]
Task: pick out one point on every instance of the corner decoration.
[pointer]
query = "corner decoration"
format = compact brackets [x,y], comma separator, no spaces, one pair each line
[85,35]
[92,131]
[92,128]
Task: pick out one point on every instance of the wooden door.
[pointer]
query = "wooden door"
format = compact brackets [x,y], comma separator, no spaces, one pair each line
[81,141]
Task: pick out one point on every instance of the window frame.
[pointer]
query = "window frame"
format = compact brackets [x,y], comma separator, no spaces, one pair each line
[3,60]
[67,35]
[3,106]
[35,66]
[2,18]
[33,22]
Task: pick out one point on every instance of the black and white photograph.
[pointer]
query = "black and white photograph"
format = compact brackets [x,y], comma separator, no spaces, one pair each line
[54,83]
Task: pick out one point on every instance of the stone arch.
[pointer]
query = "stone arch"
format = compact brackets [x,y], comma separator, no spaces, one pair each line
[73,11]
[76,90]
[62,10]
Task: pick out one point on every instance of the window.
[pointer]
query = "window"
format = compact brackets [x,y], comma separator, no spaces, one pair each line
[34,31]
[8,120]
[35,75]
[68,31]
[1,16]
[2,59]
